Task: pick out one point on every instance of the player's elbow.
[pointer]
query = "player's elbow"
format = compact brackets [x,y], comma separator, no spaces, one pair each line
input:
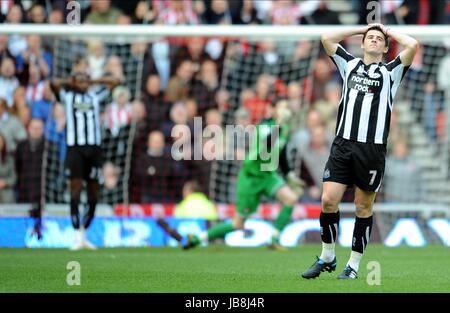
[324,38]
[413,45]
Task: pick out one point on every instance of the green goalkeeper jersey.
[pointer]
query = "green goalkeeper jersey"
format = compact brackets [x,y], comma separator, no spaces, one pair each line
[266,147]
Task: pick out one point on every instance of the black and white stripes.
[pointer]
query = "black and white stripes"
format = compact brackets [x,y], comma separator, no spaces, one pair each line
[367,92]
[82,117]
[361,233]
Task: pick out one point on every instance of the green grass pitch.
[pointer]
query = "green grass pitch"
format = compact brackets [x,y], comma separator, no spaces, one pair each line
[218,268]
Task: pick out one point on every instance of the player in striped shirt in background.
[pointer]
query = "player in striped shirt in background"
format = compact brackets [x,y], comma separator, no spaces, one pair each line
[83,138]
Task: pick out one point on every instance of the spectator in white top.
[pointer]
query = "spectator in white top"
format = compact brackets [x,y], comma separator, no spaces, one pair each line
[12,129]
[8,81]
[96,58]
[118,113]
[36,86]
[35,54]
[179,13]
[17,43]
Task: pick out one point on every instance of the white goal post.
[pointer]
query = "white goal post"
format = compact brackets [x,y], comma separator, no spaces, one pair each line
[430,33]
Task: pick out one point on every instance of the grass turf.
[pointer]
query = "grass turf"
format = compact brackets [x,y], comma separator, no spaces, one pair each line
[218,268]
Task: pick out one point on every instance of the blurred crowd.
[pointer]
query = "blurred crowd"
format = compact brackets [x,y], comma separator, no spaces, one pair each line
[181,80]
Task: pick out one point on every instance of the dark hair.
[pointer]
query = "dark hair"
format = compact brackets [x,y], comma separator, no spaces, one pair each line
[194,186]
[386,39]
[3,151]
[3,103]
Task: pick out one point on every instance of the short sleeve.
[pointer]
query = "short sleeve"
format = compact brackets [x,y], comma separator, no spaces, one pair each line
[341,58]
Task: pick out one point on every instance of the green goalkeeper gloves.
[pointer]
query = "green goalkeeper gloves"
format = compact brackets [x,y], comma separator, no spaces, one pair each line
[295,183]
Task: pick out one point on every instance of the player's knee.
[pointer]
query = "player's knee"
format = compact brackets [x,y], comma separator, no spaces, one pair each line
[290,200]
[363,209]
[329,203]
[238,223]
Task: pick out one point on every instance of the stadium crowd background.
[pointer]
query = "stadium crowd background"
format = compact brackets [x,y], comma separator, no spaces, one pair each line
[185,85]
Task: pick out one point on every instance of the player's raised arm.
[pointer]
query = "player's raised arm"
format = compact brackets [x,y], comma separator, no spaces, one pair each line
[109,81]
[330,41]
[410,46]
[57,84]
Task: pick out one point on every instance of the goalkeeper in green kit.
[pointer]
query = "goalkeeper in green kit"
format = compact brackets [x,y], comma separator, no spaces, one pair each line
[259,177]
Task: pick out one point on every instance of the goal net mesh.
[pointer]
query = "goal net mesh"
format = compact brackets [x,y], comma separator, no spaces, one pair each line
[251,74]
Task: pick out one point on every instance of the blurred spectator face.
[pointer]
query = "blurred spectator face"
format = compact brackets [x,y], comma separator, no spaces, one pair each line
[8,70]
[222,99]
[313,119]
[24,115]
[333,93]
[124,20]
[103,6]
[36,129]
[195,46]
[213,117]
[247,5]
[302,50]
[178,113]
[14,15]
[56,17]
[318,137]
[122,99]
[176,5]
[48,93]
[138,110]
[111,175]
[19,97]
[155,141]
[281,107]
[3,42]
[246,94]
[35,74]
[429,87]
[400,150]
[153,85]
[34,43]
[222,96]
[322,70]
[96,48]
[37,14]
[138,48]
[3,106]
[219,6]
[2,144]
[121,95]
[242,117]
[209,73]
[268,45]
[141,10]
[191,106]
[294,91]
[185,71]
[262,87]
[114,66]
[81,65]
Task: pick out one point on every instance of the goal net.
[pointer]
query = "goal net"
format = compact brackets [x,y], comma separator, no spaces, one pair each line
[102,56]
[253,67]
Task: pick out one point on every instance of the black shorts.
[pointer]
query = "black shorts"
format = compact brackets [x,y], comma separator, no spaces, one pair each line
[84,162]
[356,163]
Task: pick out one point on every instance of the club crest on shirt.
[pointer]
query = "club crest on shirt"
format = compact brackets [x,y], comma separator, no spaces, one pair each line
[326,174]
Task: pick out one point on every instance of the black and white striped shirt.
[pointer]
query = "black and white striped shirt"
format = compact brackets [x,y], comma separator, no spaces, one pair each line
[82,111]
[366,103]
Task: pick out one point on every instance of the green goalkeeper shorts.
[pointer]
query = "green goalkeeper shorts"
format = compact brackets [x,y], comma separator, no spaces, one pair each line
[250,189]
